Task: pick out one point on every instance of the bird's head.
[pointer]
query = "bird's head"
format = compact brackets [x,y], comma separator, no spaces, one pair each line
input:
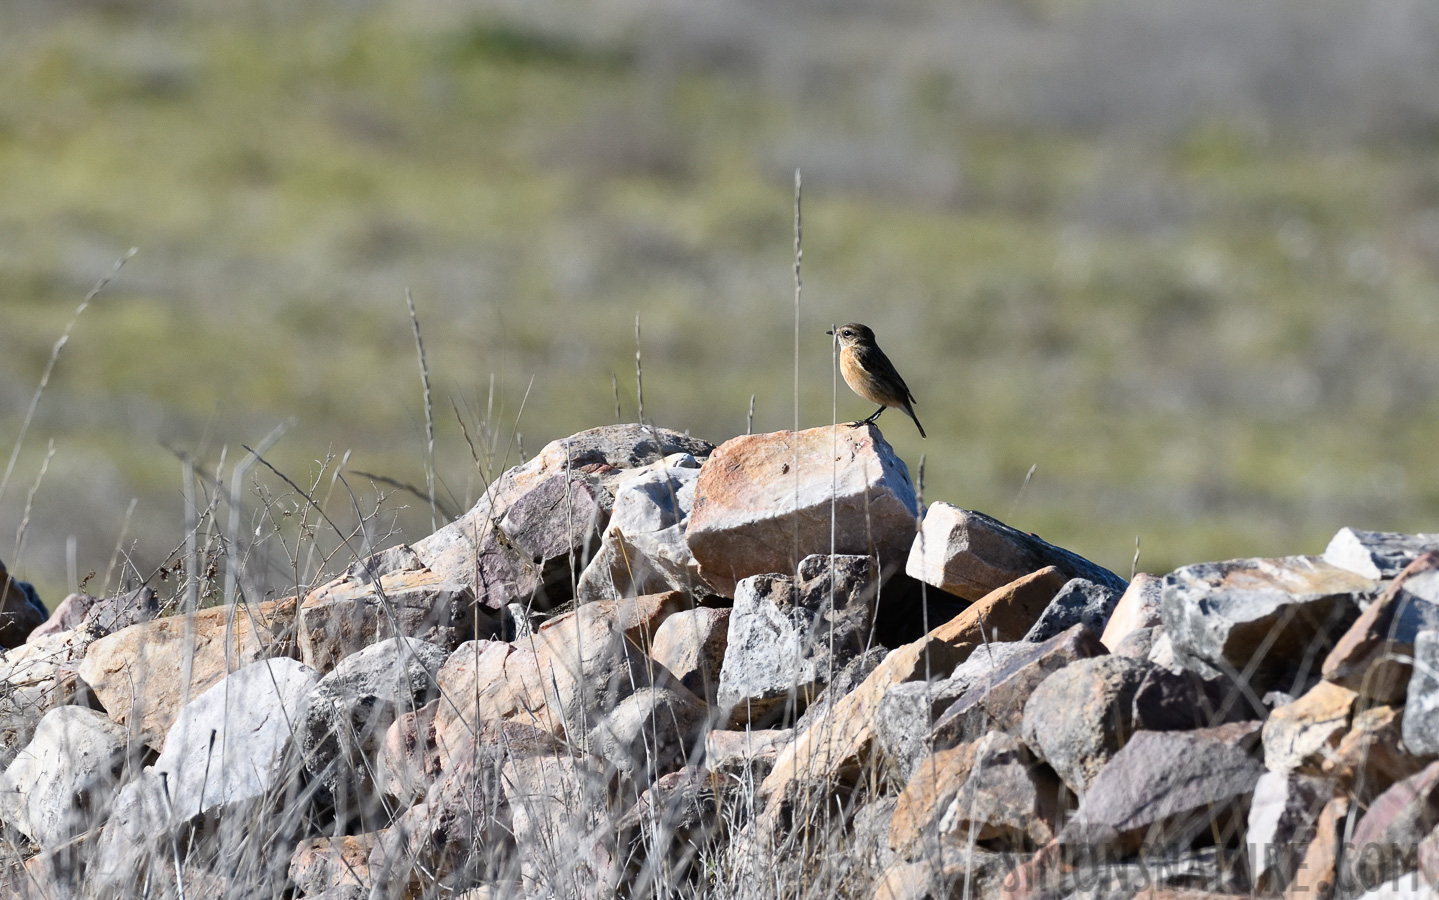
[853,335]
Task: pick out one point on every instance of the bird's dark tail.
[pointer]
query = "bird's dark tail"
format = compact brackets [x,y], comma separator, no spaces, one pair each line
[910,411]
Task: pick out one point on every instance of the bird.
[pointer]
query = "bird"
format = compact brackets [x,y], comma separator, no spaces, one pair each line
[869,373]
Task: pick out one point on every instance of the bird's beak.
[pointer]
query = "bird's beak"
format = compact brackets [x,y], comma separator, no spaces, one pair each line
[830,332]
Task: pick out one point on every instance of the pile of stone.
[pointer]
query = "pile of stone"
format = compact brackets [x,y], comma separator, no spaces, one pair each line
[645,666]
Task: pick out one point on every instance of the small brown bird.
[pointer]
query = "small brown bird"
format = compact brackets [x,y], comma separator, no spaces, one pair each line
[869,373]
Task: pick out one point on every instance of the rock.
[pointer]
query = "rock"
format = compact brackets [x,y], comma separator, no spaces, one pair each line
[787,636]
[674,822]
[1372,657]
[851,676]
[344,718]
[470,551]
[691,645]
[37,677]
[410,754]
[1079,716]
[746,754]
[462,834]
[1377,555]
[989,790]
[643,550]
[323,863]
[1079,602]
[1299,735]
[63,781]
[348,614]
[651,733]
[1371,756]
[1004,614]
[1421,706]
[958,872]
[908,711]
[99,616]
[997,700]
[230,749]
[573,671]
[1385,842]
[1164,789]
[763,502]
[1139,643]
[1138,607]
[1283,815]
[138,673]
[20,609]
[836,744]
[1260,615]
[562,802]
[970,554]
[1317,874]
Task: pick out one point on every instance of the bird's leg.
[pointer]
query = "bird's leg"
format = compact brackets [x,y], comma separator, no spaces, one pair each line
[873,417]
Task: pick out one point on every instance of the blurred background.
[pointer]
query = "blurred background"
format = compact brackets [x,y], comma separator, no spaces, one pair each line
[1182,258]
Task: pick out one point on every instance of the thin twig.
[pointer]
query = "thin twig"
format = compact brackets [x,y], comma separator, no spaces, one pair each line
[429,413]
[50,366]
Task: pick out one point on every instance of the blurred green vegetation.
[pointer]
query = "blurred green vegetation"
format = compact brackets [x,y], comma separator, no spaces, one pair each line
[1213,328]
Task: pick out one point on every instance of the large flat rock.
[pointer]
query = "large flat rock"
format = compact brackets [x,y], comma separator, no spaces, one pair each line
[763,502]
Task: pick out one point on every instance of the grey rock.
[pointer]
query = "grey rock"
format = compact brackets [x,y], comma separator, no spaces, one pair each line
[349,614]
[1421,706]
[969,554]
[651,733]
[643,550]
[908,710]
[1080,716]
[996,700]
[691,645]
[1261,616]
[1165,789]
[231,749]
[1389,834]
[1377,554]
[1283,819]
[1079,602]
[97,616]
[61,785]
[786,637]
[468,550]
[345,717]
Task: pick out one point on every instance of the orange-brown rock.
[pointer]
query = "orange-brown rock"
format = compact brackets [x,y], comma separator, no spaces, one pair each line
[1371,756]
[322,863]
[1318,871]
[1005,613]
[1299,735]
[350,613]
[148,671]
[763,502]
[988,790]
[1137,608]
[1372,657]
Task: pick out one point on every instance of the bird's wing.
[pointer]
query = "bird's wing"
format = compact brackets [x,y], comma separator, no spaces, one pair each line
[875,361]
